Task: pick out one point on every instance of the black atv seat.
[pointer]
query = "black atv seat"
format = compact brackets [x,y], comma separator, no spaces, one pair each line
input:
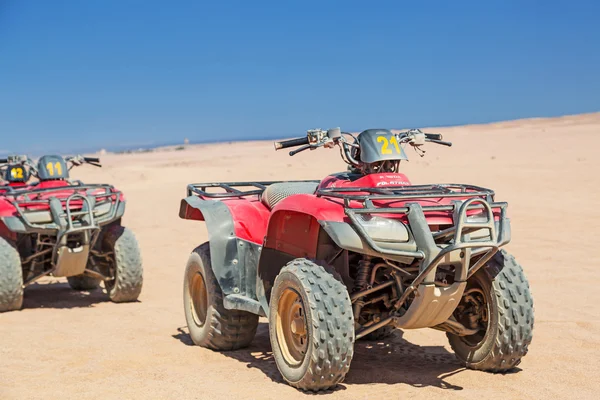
[276,192]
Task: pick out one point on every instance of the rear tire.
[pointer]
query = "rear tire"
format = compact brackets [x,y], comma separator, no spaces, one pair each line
[509,317]
[311,326]
[11,278]
[127,285]
[211,325]
[83,282]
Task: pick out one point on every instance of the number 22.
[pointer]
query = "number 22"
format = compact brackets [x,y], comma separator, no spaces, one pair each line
[386,143]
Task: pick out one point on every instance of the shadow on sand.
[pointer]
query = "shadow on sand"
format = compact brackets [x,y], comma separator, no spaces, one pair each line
[393,361]
[60,295]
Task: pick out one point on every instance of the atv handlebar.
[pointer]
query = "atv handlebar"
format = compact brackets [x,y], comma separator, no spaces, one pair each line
[316,138]
[79,160]
[284,144]
[3,160]
[449,144]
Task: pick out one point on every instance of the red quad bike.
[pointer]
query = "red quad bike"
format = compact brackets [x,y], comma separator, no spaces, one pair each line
[63,228]
[356,255]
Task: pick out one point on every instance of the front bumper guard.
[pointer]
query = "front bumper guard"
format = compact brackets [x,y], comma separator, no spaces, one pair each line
[64,220]
[433,305]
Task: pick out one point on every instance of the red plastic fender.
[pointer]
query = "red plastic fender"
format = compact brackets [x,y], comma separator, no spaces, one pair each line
[250,217]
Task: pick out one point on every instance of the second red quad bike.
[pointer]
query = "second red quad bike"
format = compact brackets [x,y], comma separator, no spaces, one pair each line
[63,228]
[353,256]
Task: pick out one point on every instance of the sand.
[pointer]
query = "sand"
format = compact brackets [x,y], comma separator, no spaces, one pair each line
[66,344]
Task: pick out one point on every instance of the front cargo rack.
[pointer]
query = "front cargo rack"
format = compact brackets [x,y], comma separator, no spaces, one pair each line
[400,193]
[361,201]
[99,203]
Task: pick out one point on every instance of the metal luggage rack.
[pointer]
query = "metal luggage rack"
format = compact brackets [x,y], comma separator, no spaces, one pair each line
[21,199]
[400,193]
[232,189]
[358,201]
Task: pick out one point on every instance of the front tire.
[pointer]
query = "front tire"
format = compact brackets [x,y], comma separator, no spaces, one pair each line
[127,263]
[499,293]
[311,326]
[211,325]
[11,278]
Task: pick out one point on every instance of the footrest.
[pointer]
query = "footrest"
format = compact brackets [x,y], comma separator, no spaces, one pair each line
[243,303]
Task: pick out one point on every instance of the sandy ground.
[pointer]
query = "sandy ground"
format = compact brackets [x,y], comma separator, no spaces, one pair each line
[65,344]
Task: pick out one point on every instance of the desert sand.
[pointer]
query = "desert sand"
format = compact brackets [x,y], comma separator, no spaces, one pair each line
[66,344]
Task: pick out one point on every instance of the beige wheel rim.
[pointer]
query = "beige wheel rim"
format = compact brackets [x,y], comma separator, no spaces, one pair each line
[292,332]
[199,297]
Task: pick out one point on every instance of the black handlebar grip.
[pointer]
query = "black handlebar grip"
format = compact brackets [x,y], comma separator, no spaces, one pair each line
[449,144]
[92,159]
[3,160]
[284,144]
[434,136]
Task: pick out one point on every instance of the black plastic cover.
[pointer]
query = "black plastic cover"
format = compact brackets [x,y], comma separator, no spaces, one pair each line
[52,167]
[17,174]
[379,145]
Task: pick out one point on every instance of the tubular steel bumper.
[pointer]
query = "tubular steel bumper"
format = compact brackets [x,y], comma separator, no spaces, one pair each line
[432,305]
[57,215]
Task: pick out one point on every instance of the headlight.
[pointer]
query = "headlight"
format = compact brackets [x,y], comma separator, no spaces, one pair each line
[384,229]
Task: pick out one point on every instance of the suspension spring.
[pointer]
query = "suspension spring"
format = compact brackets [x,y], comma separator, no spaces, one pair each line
[363,274]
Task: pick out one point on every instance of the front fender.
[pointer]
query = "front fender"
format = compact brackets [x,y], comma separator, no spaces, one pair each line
[295,222]
[346,237]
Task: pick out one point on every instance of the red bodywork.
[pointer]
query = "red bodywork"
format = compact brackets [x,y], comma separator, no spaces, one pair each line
[292,226]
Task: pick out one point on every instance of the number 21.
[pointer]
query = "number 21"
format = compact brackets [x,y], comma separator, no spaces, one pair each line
[386,143]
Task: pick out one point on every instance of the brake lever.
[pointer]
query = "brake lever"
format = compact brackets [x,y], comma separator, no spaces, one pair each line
[300,149]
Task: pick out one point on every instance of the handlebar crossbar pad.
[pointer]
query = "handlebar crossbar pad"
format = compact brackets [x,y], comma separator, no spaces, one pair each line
[434,136]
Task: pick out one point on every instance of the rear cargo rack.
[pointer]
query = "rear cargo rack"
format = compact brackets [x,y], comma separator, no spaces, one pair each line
[232,189]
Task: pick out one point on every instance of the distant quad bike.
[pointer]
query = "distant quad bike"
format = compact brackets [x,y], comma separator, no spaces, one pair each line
[354,256]
[65,229]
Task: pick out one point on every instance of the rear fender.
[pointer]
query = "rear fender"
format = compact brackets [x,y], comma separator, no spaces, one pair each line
[234,259]
[248,218]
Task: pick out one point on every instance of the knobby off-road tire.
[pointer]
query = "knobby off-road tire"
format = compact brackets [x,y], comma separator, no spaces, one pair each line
[83,282]
[510,320]
[11,278]
[128,281]
[328,326]
[211,325]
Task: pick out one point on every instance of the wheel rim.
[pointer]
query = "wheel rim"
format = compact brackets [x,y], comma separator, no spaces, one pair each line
[292,329]
[199,297]
[473,312]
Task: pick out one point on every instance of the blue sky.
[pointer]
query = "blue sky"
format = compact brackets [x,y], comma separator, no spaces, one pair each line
[95,74]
